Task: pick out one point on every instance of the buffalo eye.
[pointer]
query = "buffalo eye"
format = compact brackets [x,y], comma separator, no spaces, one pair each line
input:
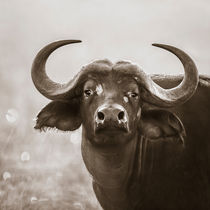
[132,94]
[88,92]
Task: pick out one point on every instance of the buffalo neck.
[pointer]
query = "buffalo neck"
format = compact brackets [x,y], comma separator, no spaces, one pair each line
[111,170]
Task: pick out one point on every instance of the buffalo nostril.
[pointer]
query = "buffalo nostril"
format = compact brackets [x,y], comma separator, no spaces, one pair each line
[121,115]
[100,115]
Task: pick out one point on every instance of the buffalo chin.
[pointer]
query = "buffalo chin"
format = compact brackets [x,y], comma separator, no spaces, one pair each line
[111,131]
[111,136]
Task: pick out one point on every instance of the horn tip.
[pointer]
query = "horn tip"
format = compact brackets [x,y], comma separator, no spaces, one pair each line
[157,45]
[71,41]
[77,40]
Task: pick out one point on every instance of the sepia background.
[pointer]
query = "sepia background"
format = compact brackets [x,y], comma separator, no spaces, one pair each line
[45,170]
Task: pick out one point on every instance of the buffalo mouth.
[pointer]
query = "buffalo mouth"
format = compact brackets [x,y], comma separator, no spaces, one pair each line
[111,129]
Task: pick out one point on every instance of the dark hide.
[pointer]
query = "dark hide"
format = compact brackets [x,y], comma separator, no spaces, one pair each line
[195,116]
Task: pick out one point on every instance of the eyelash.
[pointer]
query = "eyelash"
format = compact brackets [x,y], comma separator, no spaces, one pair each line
[88,92]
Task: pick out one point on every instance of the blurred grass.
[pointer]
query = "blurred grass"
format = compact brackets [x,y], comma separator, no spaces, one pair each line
[53,178]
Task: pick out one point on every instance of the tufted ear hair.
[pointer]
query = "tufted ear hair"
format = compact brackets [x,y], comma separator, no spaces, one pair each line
[161,124]
[62,115]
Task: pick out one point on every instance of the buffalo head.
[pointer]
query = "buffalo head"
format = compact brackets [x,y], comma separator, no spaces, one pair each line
[106,98]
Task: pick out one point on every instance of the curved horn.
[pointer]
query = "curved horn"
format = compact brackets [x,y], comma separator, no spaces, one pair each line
[43,83]
[177,95]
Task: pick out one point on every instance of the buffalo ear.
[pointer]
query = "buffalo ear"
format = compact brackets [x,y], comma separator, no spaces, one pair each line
[64,116]
[161,124]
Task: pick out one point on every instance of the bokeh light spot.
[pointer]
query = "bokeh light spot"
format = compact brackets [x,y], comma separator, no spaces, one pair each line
[25,156]
[11,115]
[6,175]
[33,199]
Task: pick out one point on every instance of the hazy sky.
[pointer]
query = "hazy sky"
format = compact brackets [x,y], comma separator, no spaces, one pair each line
[114,29]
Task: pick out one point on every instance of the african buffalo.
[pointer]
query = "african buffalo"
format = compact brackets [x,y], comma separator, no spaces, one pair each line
[145,139]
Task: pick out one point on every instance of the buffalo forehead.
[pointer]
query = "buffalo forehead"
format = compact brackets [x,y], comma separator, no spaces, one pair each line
[104,71]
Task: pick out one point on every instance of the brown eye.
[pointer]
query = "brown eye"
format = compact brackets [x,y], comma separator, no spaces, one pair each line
[132,94]
[88,92]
